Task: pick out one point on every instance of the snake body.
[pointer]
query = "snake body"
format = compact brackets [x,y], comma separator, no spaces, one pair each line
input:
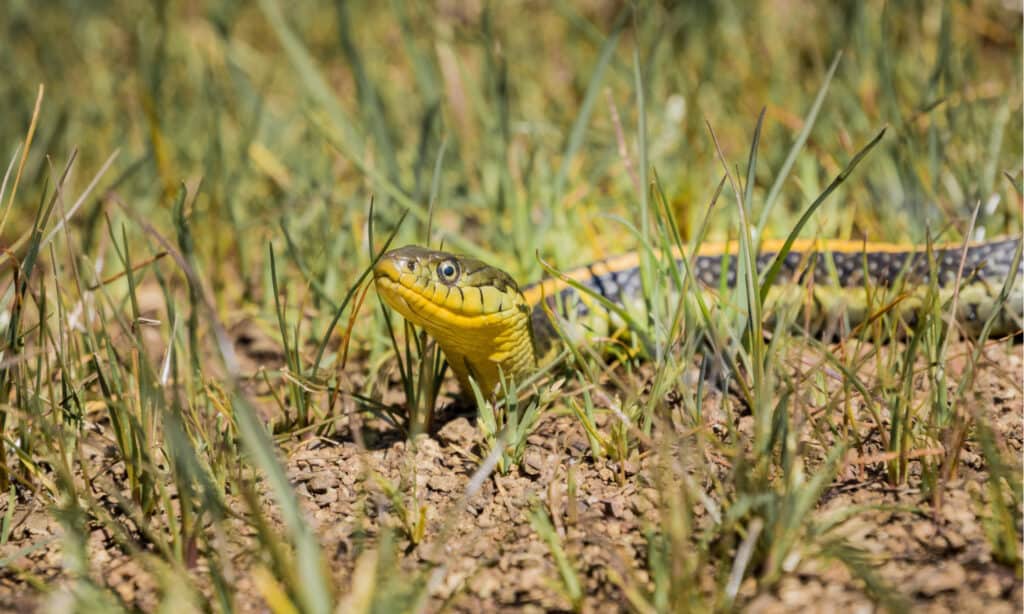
[487,326]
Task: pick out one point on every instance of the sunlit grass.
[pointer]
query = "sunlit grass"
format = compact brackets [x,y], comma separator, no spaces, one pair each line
[187,169]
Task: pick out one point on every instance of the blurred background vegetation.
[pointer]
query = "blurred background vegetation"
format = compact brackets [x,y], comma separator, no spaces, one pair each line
[292,118]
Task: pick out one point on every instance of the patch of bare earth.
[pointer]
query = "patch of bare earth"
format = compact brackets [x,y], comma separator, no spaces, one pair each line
[485,555]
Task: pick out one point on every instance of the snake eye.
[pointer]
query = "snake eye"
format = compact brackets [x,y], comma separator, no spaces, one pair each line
[448,271]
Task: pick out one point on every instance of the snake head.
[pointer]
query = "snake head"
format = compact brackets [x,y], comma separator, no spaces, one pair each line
[474,311]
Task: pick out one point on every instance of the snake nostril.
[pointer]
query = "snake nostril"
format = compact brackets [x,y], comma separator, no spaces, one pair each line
[410,265]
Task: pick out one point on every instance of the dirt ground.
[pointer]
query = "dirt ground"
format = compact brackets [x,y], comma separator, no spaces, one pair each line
[487,556]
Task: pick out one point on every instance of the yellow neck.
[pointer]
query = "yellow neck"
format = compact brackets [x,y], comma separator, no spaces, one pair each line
[495,347]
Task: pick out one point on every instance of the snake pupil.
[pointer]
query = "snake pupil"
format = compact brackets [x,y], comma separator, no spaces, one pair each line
[448,271]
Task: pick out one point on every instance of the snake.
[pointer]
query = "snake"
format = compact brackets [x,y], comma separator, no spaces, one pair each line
[492,330]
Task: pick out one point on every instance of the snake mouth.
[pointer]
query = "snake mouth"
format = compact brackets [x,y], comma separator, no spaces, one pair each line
[401,290]
[397,287]
[397,295]
[387,268]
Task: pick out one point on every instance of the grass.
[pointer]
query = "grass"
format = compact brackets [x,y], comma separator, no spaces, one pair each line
[190,176]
